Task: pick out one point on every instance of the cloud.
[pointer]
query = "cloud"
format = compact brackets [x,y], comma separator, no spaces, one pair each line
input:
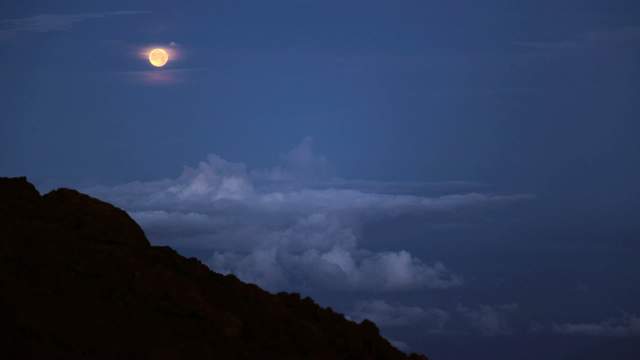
[386,315]
[489,320]
[400,345]
[337,268]
[622,37]
[548,45]
[54,22]
[159,78]
[628,325]
[299,164]
[273,228]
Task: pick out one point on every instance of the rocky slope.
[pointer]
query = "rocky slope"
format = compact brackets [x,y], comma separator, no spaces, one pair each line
[79,280]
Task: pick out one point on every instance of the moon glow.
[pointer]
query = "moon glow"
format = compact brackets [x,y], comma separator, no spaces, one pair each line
[158,57]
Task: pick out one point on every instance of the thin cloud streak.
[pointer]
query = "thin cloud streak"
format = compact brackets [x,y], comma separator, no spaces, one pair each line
[44,23]
[159,77]
[623,37]
[626,326]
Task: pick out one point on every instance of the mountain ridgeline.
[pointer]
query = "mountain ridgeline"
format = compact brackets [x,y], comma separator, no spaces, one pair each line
[79,280]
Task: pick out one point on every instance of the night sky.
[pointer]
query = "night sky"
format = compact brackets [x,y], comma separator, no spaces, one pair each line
[464,173]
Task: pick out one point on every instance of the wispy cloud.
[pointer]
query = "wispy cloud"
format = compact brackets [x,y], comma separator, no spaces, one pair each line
[548,45]
[622,37]
[159,77]
[489,320]
[628,325]
[54,22]
[392,315]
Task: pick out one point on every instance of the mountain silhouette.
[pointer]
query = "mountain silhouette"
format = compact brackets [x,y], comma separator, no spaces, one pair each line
[79,280]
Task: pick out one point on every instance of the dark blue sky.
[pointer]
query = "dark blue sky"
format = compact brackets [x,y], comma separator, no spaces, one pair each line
[498,138]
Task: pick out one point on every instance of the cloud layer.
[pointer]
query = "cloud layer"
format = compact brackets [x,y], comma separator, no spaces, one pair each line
[628,325]
[291,227]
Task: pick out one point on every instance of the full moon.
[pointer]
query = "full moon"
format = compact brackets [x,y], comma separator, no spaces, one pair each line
[158,57]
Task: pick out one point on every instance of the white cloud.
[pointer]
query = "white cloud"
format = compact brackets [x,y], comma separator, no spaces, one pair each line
[489,320]
[387,315]
[628,325]
[336,268]
[273,228]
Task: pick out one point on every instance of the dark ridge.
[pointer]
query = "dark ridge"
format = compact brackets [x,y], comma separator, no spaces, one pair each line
[79,280]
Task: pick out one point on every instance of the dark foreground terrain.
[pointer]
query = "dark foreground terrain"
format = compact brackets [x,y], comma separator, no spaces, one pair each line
[79,280]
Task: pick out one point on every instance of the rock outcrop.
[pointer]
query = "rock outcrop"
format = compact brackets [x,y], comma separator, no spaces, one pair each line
[79,280]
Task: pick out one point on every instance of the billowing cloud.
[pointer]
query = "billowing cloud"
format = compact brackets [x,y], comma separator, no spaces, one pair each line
[337,268]
[290,227]
[489,320]
[387,315]
[54,22]
[628,325]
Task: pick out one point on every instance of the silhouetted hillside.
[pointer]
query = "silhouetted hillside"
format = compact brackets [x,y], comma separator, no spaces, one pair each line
[79,280]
